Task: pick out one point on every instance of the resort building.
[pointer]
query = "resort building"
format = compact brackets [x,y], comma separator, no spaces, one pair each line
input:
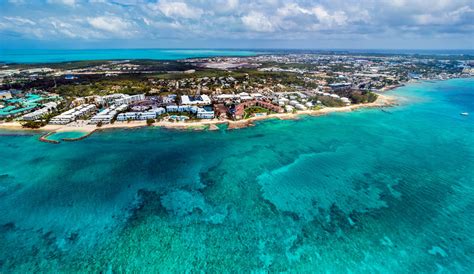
[107,115]
[5,94]
[35,115]
[205,113]
[226,97]
[240,108]
[300,107]
[112,97]
[151,114]
[171,108]
[198,100]
[72,114]
[128,99]
[346,101]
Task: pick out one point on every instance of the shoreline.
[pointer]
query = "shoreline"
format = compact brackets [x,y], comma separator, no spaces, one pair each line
[383,100]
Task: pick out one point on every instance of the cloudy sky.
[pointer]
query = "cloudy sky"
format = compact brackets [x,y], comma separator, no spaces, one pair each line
[317,24]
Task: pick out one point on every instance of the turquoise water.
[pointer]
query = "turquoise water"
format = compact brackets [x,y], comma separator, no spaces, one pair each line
[54,56]
[370,191]
[66,134]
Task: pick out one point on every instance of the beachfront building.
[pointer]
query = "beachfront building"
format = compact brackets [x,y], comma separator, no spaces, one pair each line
[5,94]
[199,100]
[128,99]
[300,107]
[107,115]
[151,114]
[201,112]
[238,113]
[109,99]
[226,98]
[37,114]
[205,113]
[346,101]
[72,114]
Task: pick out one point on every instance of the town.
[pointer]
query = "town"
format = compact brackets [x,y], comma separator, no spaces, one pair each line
[215,89]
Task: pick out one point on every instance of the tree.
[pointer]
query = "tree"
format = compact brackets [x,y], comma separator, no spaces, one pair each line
[99,124]
[33,124]
[150,121]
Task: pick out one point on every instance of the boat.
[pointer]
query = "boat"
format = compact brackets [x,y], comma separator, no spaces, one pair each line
[465,113]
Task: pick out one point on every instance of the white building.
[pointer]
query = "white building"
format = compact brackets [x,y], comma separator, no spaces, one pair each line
[128,99]
[171,108]
[5,95]
[107,115]
[346,100]
[35,115]
[300,107]
[72,114]
[195,100]
[293,102]
[203,113]
[151,114]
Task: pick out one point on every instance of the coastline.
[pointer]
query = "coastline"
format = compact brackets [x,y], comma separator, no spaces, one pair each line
[383,100]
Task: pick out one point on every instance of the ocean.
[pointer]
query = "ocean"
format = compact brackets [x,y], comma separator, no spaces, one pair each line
[33,56]
[371,191]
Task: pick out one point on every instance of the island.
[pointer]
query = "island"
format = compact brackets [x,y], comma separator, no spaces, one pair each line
[202,93]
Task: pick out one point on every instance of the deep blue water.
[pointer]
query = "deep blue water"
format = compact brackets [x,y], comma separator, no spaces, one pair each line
[369,191]
[56,55]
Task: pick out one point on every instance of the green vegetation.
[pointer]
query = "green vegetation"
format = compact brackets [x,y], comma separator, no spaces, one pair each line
[150,122]
[329,101]
[248,112]
[34,124]
[358,97]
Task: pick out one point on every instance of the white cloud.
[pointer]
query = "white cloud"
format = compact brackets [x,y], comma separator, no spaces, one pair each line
[324,17]
[20,20]
[177,10]
[63,2]
[257,21]
[231,19]
[110,24]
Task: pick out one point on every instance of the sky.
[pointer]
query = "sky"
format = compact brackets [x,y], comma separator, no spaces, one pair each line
[317,24]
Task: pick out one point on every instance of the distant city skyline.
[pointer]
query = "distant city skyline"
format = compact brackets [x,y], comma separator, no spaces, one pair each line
[296,24]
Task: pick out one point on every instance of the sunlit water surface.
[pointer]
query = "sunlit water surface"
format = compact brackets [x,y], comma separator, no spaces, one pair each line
[362,192]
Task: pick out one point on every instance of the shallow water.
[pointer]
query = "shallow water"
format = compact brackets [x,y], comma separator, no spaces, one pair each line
[55,55]
[366,191]
[59,136]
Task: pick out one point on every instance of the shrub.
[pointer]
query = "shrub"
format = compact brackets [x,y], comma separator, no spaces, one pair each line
[150,121]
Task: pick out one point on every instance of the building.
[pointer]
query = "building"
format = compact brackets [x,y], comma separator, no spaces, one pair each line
[198,100]
[128,99]
[72,114]
[5,94]
[37,114]
[171,108]
[239,110]
[220,111]
[151,114]
[205,113]
[346,100]
[107,115]
[340,86]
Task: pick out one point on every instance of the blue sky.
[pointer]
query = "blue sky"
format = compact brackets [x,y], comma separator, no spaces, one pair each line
[372,24]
